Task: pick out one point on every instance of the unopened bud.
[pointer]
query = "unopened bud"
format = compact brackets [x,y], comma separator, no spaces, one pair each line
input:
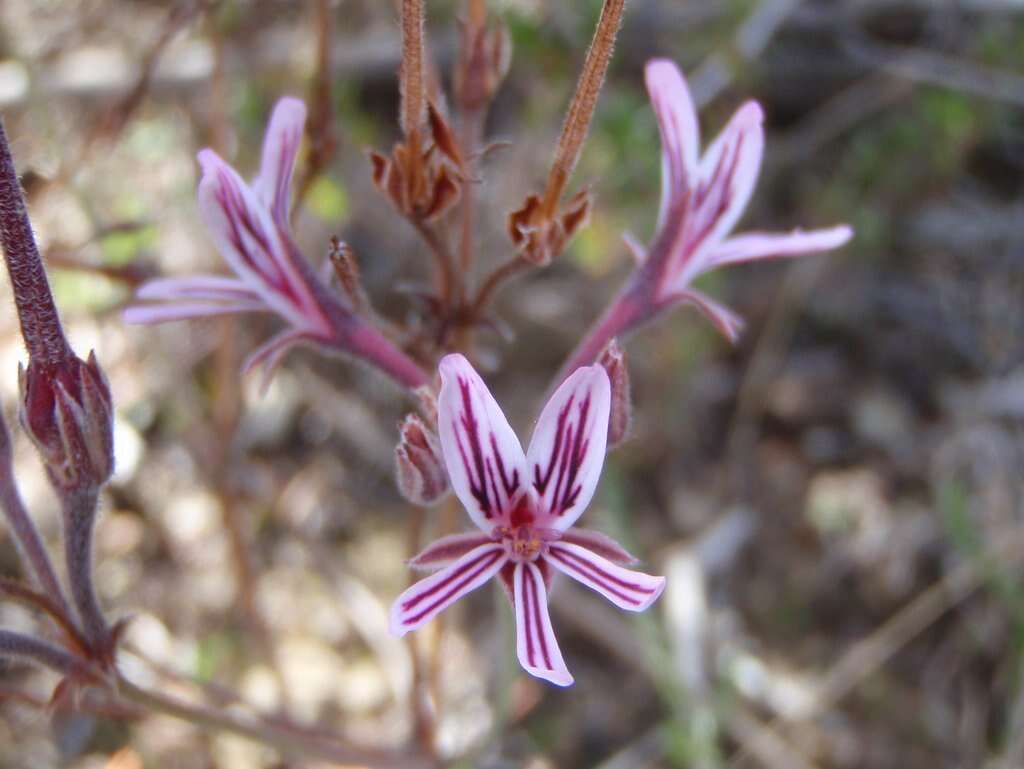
[484,56]
[420,470]
[66,409]
[620,418]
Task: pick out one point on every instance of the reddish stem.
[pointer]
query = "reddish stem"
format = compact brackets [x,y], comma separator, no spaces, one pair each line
[631,307]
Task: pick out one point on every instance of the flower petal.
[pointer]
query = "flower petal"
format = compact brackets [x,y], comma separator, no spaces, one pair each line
[428,597]
[599,543]
[271,354]
[536,645]
[254,247]
[678,126]
[751,246]
[211,287]
[280,148]
[568,446]
[484,459]
[150,314]
[725,320]
[446,550]
[627,589]
[728,172]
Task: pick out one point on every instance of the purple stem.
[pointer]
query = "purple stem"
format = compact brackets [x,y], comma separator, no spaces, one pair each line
[79,515]
[366,342]
[41,652]
[630,308]
[354,335]
[40,324]
[31,544]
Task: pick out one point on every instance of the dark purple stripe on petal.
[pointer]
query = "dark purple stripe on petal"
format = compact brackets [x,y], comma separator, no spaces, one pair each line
[613,584]
[455,582]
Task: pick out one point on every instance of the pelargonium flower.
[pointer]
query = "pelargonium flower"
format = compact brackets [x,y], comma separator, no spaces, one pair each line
[249,225]
[525,506]
[704,196]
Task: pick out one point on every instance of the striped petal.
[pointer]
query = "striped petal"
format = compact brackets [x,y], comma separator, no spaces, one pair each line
[485,461]
[599,543]
[678,126]
[751,246]
[627,589]
[446,550]
[429,597]
[211,287]
[253,245]
[728,172]
[150,314]
[568,446]
[536,645]
[280,148]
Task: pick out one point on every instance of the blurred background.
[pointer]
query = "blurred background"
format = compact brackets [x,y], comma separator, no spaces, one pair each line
[836,501]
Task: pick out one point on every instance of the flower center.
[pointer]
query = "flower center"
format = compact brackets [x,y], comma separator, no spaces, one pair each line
[524,543]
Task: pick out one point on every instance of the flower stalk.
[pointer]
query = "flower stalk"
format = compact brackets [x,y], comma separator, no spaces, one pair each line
[66,409]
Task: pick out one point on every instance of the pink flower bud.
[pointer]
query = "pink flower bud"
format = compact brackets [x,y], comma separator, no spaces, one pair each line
[420,471]
[613,360]
[66,410]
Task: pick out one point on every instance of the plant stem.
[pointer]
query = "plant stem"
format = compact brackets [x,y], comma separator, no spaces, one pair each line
[448,287]
[43,653]
[628,310]
[491,283]
[79,509]
[366,342]
[470,134]
[288,739]
[25,532]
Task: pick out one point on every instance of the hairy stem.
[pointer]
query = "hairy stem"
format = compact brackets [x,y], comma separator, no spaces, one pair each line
[413,82]
[581,110]
[79,522]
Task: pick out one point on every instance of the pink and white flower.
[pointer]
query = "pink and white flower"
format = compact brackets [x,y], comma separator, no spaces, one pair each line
[525,506]
[249,225]
[703,197]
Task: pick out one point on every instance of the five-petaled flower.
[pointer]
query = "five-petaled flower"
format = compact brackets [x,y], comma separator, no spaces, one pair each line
[702,199]
[525,506]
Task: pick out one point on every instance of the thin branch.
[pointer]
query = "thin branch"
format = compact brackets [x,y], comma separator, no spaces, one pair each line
[448,287]
[492,282]
[24,529]
[288,739]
